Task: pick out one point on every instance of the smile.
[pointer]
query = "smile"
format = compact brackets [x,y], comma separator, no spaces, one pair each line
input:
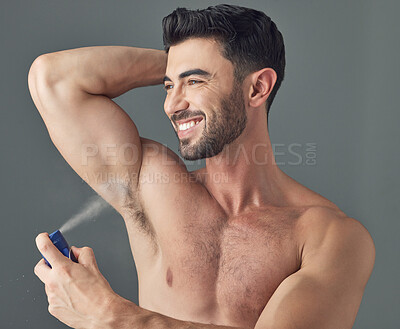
[187,127]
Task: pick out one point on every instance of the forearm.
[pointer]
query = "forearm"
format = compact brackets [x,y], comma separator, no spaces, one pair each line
[105,70]
[130,316]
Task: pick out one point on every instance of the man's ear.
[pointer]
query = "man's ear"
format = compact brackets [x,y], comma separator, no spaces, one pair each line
[261,84]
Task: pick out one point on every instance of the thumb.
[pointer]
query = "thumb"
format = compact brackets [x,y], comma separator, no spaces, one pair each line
[85,256]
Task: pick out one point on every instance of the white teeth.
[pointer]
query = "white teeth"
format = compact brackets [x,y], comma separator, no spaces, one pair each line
[187,125]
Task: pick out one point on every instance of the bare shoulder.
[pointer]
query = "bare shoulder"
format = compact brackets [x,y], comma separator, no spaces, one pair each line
[329,233]
[164,182]
[319,220]
[158,164]
[165,193]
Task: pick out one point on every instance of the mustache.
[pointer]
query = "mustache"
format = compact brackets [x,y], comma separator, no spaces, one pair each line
[187,115]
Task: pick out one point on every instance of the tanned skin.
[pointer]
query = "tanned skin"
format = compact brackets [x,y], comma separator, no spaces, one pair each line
[236,244]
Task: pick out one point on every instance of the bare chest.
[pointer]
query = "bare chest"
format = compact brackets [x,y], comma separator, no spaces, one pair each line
[224,270]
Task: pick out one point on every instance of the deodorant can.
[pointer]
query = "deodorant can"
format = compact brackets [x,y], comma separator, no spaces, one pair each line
[59,241]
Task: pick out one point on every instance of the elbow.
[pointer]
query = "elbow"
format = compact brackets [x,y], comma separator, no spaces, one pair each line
[38,70]
[39,82]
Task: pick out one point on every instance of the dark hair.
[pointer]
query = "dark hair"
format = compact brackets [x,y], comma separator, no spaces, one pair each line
[248,37]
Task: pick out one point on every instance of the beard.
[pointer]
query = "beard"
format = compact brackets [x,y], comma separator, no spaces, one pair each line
[221,128]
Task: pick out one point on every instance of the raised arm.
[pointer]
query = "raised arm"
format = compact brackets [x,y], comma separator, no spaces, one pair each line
[72,90]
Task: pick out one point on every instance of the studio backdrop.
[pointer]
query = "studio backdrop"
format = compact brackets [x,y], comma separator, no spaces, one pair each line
[333,126]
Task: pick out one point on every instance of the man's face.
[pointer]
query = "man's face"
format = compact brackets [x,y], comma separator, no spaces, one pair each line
[204,102]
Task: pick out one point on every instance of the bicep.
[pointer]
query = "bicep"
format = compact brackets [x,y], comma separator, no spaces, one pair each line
[304,301]
[93,134]
[327,291]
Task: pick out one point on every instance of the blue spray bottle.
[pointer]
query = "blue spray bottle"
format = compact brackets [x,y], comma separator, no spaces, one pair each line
[59,241]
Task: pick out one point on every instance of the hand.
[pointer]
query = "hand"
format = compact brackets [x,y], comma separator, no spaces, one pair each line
[78,294]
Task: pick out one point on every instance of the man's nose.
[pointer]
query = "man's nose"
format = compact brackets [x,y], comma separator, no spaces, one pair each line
[174,102]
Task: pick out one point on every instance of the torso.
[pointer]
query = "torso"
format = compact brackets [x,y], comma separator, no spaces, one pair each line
[212,268]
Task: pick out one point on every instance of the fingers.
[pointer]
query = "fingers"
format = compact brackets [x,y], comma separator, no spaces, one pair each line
[76,251]
[85,256]
[72,256]
[49,250]
[42,271]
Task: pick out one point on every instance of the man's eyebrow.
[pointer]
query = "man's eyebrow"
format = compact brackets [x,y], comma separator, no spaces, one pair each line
[189,73]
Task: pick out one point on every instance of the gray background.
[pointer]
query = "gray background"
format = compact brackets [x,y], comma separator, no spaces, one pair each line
[339,92]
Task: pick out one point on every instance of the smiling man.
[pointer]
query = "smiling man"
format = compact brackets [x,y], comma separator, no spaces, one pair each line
[254,250]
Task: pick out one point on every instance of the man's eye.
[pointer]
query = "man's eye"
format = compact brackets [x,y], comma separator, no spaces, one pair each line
[168,87]
[193,82]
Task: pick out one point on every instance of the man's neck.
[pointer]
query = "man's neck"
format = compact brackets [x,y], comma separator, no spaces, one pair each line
[244,176]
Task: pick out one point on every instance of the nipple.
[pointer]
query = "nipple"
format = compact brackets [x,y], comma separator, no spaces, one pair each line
[169,277]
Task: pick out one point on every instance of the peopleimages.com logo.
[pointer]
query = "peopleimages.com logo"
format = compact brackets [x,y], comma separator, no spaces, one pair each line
[292,154]
[298,154]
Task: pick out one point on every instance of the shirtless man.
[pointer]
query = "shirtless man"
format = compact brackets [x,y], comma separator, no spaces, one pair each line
[251,249]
